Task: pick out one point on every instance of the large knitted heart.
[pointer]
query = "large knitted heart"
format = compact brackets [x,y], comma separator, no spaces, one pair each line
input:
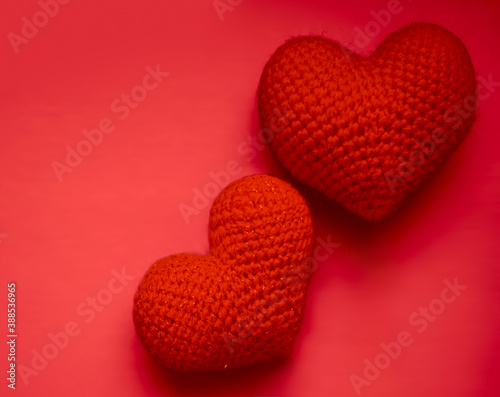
[367,132]
[243,302]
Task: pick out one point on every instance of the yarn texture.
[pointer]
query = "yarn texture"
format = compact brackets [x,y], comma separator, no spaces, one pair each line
[367,132]
[243,302]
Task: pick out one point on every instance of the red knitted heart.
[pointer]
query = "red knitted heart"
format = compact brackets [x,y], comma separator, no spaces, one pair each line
[243,302]
[368,131]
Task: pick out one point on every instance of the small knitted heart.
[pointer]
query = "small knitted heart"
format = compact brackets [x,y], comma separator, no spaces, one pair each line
[367,132]
[243,302]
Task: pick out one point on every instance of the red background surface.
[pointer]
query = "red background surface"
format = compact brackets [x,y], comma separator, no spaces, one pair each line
[60,241]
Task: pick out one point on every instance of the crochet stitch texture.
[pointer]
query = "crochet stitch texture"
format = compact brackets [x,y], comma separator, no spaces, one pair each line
[243,302]
[367,132]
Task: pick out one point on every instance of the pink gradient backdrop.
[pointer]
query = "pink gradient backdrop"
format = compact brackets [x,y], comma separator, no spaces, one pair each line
[120,206]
